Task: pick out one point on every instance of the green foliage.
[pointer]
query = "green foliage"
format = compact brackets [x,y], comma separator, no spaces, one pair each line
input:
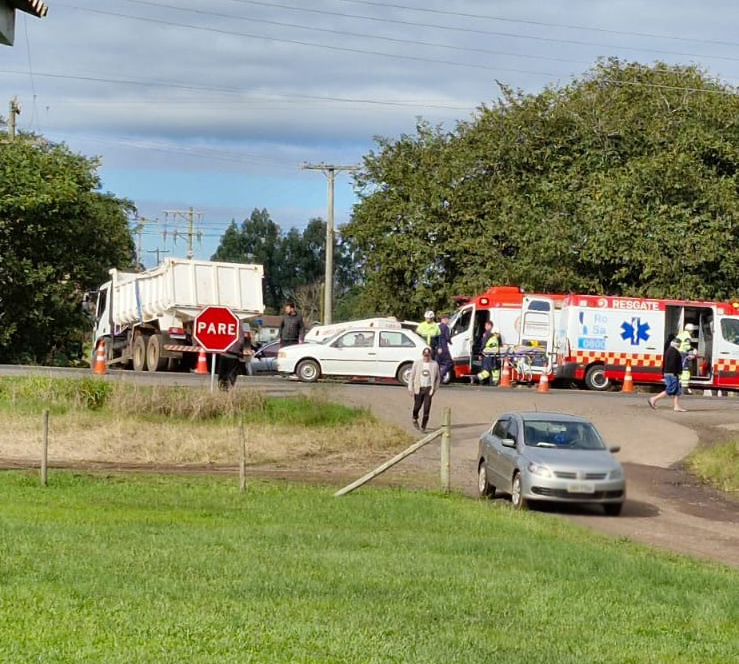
[59,394]
[293,261]
[165,570]
[59,236]
[718,465]
[32,393]
[623,182]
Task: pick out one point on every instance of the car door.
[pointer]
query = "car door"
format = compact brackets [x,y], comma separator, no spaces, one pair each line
[493,450]
[508,461]
[394,348]
[461,326]
[726,350]
[537,328]
[351,354]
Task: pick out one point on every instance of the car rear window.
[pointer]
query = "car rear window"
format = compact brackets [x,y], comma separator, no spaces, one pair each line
[395,340]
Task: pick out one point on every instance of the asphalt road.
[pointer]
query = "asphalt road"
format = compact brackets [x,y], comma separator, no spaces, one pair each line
[665,506]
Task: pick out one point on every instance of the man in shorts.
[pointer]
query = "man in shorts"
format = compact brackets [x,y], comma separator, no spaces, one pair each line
[672,366]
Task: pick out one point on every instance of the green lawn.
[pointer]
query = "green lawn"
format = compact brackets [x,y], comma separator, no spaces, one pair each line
[187,570]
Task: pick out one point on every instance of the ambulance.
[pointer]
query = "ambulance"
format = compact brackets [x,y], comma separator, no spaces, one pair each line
[598,336]
[524,321]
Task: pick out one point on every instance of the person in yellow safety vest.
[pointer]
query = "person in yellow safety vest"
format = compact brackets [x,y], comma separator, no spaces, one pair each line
[685,347]
[490,356]
[429,331]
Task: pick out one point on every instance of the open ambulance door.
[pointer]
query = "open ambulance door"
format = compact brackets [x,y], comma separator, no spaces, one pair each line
[726,351]
[536,331]
[461,326]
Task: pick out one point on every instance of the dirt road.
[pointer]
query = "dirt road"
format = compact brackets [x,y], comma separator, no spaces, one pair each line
[665,507]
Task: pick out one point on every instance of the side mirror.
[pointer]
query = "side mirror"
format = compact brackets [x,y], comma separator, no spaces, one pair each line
[508,442]
[614,449]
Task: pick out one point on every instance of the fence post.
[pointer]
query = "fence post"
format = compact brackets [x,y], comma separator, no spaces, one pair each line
[446,444]
[242,456]
[44,447]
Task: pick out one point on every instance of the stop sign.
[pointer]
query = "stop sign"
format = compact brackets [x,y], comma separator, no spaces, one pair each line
[216,329]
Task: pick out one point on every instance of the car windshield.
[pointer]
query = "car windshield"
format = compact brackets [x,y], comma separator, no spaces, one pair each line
[562,435]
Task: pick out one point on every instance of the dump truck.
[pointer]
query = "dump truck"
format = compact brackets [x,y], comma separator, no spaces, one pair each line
[145,319]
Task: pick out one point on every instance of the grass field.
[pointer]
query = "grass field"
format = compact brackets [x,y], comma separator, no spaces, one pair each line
[718,465]
[155,570]
[94,420]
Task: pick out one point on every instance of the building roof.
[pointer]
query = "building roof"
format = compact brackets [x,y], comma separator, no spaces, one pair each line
[35,7]
[267,320]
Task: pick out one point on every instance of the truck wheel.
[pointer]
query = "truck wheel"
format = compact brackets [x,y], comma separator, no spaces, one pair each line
[139,353]
[308,371]
[154,359]
[595,378]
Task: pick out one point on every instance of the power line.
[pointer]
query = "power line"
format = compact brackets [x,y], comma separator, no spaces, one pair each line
[298,42]
[491,33]
[184,86]
[567,26]
[344,33]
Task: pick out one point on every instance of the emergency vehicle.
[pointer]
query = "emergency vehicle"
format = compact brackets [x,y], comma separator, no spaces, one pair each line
[598,336]
[524,321]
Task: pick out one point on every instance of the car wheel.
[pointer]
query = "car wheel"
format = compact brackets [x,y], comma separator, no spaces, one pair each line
[139,353]
[484,488]
[308,371]
[595,378]
[404,373]
[613,509]
[517,499]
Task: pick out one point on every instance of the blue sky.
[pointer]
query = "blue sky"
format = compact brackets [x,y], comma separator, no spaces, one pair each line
[215,104]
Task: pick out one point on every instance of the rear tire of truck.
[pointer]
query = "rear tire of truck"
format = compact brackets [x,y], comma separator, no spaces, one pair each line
[595,378]
[139,353]
[154,359]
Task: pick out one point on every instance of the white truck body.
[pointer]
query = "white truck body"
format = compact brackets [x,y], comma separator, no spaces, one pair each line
[160,305]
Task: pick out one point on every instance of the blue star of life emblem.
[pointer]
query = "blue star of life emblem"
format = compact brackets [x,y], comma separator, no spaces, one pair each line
[635,331]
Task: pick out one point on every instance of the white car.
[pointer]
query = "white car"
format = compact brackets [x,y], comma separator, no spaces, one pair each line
[319,333]
[368,351]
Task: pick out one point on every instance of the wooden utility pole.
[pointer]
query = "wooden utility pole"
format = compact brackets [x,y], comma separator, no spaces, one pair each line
[138,230]
[329,170]
[158,251]
[189,216]
[14,110]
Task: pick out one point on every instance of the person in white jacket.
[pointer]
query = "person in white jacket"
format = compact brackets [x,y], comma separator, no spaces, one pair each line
[422,386]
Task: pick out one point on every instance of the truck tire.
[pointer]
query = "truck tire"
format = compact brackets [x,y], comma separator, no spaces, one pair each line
[139,353]
[154,359]
[595,378]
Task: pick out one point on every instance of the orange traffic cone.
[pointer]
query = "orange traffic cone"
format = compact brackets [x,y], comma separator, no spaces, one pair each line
[543,385]
[98,366]
[628,385]
[202,365]
[505,376]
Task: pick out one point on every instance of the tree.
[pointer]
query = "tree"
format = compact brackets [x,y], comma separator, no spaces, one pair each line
[623,182]
[257,241]
[293,262]
[59,236]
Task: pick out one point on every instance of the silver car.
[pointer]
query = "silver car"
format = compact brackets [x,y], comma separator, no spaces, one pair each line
[549,457]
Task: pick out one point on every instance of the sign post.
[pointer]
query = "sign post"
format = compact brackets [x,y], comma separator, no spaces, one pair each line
[216,329]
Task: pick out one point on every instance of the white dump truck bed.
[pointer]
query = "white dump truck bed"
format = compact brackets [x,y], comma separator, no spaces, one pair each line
[183,287]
